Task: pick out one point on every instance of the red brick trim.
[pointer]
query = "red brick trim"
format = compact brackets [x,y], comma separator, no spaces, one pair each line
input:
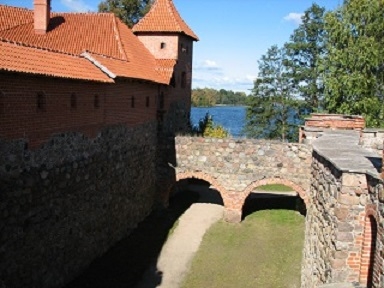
[366,257]
[286,182]
[200,175]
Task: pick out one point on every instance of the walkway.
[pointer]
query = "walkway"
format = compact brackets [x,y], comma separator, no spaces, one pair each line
[178,251]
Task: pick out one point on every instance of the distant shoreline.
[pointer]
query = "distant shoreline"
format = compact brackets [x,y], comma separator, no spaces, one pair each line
[219,105]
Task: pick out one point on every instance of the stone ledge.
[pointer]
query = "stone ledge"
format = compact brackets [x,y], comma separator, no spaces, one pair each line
[340,285]
[342,149]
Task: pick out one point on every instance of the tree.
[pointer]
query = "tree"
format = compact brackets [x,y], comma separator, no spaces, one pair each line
[129,11]
[304,51]
[273,110]
[354,63]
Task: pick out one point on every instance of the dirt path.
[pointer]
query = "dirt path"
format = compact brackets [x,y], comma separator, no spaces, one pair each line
[177,253]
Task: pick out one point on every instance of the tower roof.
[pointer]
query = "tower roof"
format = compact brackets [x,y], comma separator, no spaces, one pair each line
[163,17]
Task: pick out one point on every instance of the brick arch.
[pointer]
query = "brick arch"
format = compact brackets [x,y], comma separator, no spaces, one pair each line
[369,248]
[286,182]
[202,176]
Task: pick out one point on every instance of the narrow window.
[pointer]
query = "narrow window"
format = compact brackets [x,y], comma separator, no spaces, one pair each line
[162,45]
[161,101]
[147,101]
[96,101]
[41,102]
[2,104]
[183,49]
[173,80]
[73,101]
[183,80]
[133,102]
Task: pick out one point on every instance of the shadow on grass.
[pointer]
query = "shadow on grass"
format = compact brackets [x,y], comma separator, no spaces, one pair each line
[125,263]
[265,201]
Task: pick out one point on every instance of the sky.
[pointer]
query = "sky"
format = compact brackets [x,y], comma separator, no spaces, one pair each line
[233,34]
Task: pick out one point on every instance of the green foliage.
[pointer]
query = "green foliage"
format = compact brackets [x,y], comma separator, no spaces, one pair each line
[274,108]
[208,97]
[354,65]
[207,128]
[129,11]
[304,51]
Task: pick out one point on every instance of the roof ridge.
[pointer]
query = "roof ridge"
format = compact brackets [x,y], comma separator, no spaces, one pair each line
[103,68]
[105,56]
[17,25]
[173,14]
[118,38]
[5,40]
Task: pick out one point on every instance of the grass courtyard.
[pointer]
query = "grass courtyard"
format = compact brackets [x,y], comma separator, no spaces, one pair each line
[265,250]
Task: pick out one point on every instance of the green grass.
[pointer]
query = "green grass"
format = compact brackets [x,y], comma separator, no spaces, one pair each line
[275,187]
[265,250]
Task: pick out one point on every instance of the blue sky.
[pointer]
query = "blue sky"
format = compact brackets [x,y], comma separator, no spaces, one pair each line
[233,34]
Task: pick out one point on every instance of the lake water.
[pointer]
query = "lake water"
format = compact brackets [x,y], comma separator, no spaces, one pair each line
[232,118]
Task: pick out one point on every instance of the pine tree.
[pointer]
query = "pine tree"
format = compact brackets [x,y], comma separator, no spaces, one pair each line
[273,107]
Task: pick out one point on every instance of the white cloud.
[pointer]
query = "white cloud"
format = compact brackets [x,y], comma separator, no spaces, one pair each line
[294,17]
[208,65]
[77,5]
[242,84]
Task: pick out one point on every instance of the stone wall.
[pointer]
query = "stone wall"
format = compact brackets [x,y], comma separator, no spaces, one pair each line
[343,217]
[235,167]
[71,200]
[373,139]
[237,163]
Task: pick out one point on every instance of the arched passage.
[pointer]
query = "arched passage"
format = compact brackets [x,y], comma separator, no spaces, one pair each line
[267,200]
[368,252]
[213,183]
[285,182]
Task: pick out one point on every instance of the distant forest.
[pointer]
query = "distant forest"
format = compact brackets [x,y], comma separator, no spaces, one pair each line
[208,97]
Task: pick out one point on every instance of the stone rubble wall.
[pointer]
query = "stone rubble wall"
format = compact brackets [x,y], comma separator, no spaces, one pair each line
[339,203]
[65,204]
[237,163]
[373,139]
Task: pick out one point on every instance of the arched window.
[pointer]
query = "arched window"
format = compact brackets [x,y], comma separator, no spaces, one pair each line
[183,79]
[2,104]
[161,101]
[133,102]
[96,101]
[73,101]
[173,80]
[41,102]
[162,45]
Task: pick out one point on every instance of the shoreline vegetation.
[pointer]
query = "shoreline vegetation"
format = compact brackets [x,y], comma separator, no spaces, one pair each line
[209,97]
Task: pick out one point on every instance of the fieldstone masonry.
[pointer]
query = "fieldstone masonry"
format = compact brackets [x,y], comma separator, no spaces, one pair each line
[237,166]
[344,230]
[67,203]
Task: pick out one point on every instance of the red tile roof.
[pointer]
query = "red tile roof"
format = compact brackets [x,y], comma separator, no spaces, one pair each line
[163,17]
[103,36]
[165,68]
[17,58]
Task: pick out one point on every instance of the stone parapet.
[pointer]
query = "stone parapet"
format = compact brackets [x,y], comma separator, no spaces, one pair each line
[237,163]
[319,123]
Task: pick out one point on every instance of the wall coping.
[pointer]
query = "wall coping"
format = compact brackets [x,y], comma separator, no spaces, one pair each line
[341,148]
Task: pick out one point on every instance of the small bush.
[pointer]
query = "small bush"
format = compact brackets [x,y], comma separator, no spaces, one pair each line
[207,128]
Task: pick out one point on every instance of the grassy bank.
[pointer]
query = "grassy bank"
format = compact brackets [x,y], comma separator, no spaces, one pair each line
[265,250]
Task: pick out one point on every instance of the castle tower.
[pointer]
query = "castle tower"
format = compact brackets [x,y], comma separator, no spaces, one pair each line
[170,40]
